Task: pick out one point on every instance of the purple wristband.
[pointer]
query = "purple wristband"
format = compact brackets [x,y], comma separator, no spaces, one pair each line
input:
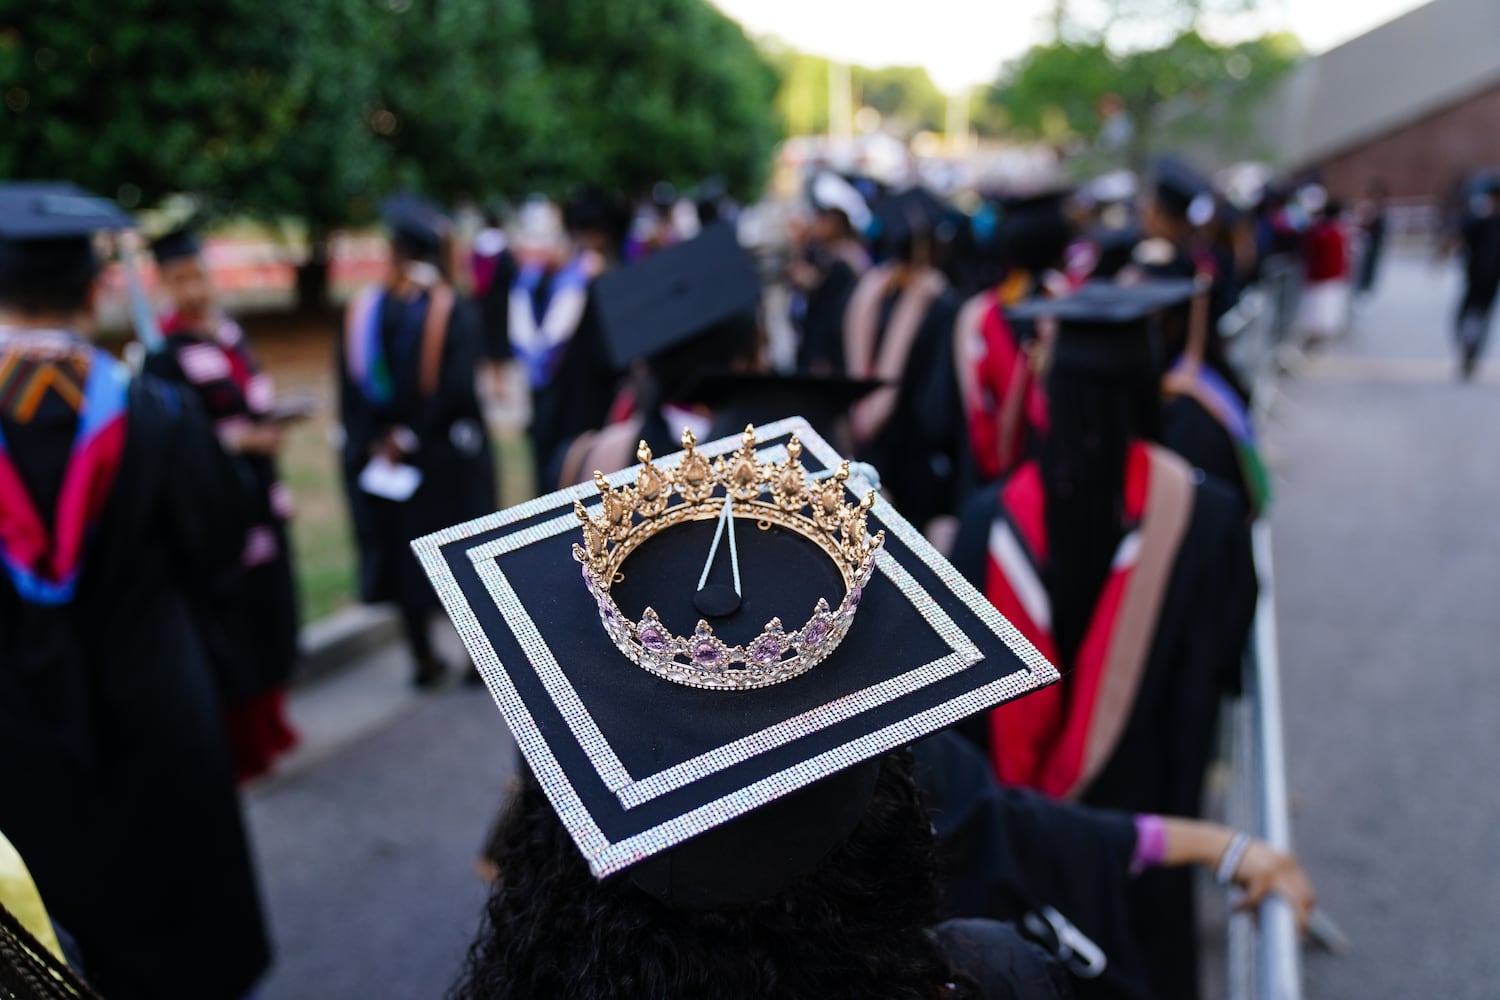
[1150,843]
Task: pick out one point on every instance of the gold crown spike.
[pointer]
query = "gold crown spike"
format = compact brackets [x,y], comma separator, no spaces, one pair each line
[763,492]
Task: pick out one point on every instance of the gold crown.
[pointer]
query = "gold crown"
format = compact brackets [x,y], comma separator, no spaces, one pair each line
[780,493]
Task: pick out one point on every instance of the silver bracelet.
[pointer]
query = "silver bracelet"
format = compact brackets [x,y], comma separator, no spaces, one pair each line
[1229,862]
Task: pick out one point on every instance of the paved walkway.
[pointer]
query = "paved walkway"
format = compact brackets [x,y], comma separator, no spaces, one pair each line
[1387,547]
[1388,568]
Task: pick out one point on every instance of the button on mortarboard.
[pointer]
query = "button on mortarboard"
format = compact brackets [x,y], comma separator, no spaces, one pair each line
[675,294]
[635,763]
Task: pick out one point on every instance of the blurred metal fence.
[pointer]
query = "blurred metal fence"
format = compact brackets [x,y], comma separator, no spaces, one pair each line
[1262,951]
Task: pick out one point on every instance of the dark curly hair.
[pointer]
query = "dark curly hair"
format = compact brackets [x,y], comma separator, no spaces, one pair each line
[854,928]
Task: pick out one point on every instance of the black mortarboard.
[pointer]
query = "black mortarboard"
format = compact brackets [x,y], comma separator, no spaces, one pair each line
[1034,229]
[907,215]
[675,294]
[1116,248]
[33,211]
[636,764]
[740,398]
[175,245]
[46,238]
[1178,186]
[415,222]
[1105,327]
[592,209]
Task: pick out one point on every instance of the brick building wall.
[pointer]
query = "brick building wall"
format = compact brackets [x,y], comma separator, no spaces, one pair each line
[1421,161]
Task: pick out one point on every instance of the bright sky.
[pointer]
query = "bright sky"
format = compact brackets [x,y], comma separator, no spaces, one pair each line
[964,42]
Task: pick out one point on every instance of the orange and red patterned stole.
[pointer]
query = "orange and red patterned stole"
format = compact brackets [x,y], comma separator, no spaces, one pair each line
[43,561]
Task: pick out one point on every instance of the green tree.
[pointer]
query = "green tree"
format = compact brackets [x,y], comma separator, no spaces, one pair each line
[1126,103]
[654,90]
[905,96]
[141,98]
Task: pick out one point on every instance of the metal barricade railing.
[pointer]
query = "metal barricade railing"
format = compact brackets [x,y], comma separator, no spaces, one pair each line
[1262,950]
[1263,956]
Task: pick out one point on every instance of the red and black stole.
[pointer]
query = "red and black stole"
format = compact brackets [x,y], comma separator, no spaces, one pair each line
[1058,739]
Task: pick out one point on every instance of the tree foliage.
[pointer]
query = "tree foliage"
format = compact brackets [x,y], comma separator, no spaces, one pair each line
[653,90]
[145,97]
[312,110]
[1125,103]
[906,97]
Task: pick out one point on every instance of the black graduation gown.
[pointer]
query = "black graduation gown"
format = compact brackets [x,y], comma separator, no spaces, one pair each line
[248,617]
[116,777]
[1005,852]
[1159,764]
[1004,964]
[454,456]
[576,399]
[821,351]
[919,449]
[1192,432]
[494,308]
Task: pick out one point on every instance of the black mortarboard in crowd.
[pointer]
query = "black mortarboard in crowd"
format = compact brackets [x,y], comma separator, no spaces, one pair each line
[46,236]
[592,209]
[417,225]
[180,243]
[1107,328]
[676,294]
[1178,187]
[1034,229]
[906,216]
[650,771]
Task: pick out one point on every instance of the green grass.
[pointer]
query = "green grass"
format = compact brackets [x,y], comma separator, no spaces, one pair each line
[321,535]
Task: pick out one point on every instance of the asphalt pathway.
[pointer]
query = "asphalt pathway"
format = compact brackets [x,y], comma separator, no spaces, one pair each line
[1387,552]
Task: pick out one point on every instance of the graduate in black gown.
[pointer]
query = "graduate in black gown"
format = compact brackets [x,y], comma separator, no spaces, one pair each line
[248,617]
[554,330]
[1207,417]
[492,271]
[898,327]
[1134,576]
[670,318]
[416,452]
[118,787]
[1063,872]
[832,260]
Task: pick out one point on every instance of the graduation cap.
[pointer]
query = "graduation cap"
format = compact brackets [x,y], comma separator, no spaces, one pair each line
[902,217]
[416,224]
[676,294]
[34,211]
[1182,191]
[740,398]
[1107,328]
[828,192]
[46,235]
[1034,228]
[178,244]
[716,775]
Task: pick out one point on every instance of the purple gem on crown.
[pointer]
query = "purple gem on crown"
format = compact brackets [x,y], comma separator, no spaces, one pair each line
[654,638]
[707,654]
